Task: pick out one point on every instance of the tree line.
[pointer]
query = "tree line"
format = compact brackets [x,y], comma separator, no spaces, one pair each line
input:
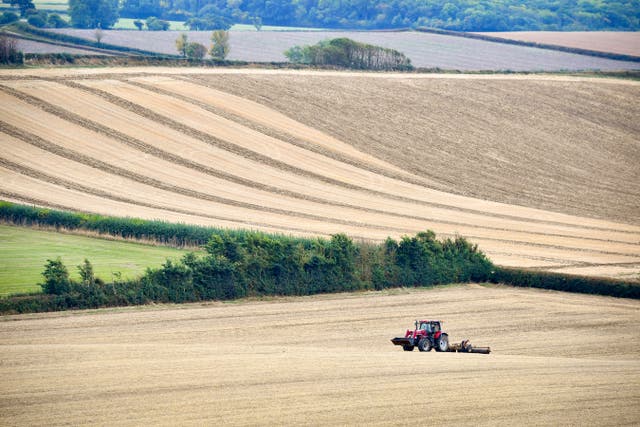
[347,53]
[459,15]
[239,263]
[456,15]
[244,263]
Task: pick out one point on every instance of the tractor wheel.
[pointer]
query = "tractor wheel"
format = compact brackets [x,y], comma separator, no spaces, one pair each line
[424,345]
[442,343]
[407,347]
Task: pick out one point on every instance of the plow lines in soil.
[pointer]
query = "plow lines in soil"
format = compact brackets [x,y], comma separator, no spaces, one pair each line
[176,148]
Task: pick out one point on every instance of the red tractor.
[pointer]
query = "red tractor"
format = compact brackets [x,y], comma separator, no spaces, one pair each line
[426,335]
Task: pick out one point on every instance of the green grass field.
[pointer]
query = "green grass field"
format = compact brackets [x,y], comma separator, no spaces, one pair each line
[24,251]
[127,24]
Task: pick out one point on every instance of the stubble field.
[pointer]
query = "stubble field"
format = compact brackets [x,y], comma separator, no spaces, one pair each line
[424,49]
[622,42]
[557,359]
[500,160]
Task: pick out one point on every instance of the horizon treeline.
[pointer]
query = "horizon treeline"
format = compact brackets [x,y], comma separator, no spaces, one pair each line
[458,15]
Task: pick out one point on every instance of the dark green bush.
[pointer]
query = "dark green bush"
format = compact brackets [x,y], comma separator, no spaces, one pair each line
[347,53]
[242,263]
[8,18]
[566,282]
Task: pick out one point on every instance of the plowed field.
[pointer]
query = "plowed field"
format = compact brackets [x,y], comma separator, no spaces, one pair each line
[557,359]
[539,171]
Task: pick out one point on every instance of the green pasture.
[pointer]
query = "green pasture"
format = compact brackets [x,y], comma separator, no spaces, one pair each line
[61,5]
[24,252]
[127,24]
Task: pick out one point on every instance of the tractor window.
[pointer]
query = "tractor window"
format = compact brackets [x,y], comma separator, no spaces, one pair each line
[436,327]
[426,327]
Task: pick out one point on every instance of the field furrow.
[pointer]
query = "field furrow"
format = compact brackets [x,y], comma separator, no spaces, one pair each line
[157,173]
[101,183]
[205,124]
[269,122]
[68,98]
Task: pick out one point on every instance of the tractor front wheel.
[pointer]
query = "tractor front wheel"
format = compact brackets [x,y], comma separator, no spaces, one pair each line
[424,345]
[442,343]
[407,347]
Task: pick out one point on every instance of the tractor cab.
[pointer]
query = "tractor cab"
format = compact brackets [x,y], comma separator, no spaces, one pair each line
[429,326]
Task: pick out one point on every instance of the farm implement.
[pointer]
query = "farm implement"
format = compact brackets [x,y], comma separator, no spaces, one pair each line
[428,334]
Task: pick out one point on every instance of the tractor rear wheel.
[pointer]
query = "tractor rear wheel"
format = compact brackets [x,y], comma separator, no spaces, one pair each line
[424,345]
[442,343]
[407,347]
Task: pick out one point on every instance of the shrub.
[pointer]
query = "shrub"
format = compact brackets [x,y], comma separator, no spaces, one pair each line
[195,50]
[155,24]
[38,21]
[344,52]
[219,44]
[566,282]
[55,21]
[8,18]
[56,278]
[9,53]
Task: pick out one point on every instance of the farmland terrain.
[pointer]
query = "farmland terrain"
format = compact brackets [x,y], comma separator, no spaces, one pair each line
[534,180]
[424,49]
[24,252]
[621,42]
[557,359]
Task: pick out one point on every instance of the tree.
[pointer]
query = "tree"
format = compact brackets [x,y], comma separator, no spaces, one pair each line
[86,273]
[195,51]
[24,6]
[98,34]
[181,44]
[9,53]
[220,44]
[93,13]
[155,24]
[38,20]
[257,22]
[56,278]
[8,18]
[56,21]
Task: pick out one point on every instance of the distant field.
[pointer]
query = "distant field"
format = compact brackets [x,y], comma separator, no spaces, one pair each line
[424,49]
[61,5]
[127,24]
[622,42]
[24,252]
[31,46]
[557,359]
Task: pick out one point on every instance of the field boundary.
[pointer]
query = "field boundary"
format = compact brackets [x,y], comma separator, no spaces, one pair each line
[576,50]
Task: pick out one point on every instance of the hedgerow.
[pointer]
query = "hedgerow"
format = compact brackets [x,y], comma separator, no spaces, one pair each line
[237,264]
[566,282]
[245,263]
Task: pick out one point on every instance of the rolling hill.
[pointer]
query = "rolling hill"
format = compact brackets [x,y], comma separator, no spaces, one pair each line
[540,171]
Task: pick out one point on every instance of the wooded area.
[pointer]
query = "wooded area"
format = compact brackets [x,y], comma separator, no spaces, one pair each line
[463,15]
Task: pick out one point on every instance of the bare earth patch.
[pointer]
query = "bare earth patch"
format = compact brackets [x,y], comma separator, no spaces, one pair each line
[557,359]
[623,42]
